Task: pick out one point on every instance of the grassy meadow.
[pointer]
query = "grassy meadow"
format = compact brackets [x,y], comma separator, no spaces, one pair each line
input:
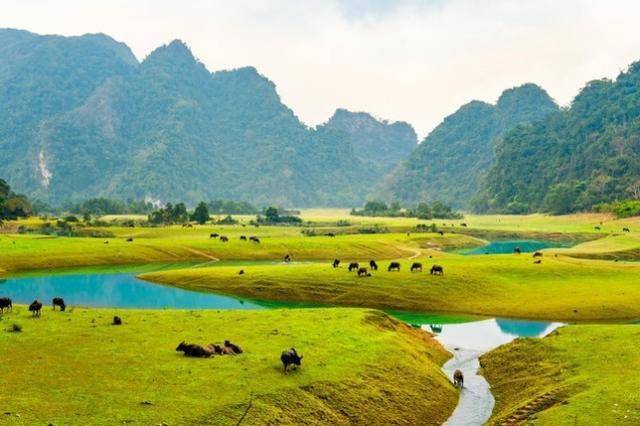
[359,364]
[67,367]
[577,375]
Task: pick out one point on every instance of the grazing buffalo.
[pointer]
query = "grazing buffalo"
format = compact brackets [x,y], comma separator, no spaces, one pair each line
[243,238]
[362,272]
[626,230]
[537,261]
[59,301]
[394,266]
[117,320]
[129,240]
[458,379]
[5,303]
[331,234]
[436,270]
[35,307]
[517,250]
[353,266]
[254,239]
[441,233]
[214,235]
[241,272]
[336,263]
[224,238]
[464,225]
[193,350]
[416,266]
[234,348]
[373,265]
[597,228]
[287,258]
[537,254]
[290,357]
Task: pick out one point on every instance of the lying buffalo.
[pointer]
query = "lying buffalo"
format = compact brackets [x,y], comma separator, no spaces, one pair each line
[436,270]
[362,272]
[537,254]
[193,350]
[394,266]
[353,266]
[290,357]
[416,266]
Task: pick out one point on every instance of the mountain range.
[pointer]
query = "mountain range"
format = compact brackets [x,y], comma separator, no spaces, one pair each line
[80,117]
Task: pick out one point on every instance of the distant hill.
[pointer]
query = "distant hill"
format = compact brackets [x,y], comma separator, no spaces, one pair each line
[574,159]
[81,117]
[451,162]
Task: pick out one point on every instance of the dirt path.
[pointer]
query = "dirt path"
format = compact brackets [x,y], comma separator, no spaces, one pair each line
[212,259]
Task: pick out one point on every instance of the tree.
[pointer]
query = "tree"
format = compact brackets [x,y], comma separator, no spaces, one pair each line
[201,213]
[271,215]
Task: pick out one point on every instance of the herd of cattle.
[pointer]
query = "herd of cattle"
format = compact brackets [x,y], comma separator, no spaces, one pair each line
[393,266]
[225,239]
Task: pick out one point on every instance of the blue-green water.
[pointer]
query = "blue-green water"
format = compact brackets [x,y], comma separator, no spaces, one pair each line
[124,290]
[502,247]
[118,290]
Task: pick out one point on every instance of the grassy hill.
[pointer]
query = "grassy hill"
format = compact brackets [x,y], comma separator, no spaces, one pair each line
[577,375]
[358,365]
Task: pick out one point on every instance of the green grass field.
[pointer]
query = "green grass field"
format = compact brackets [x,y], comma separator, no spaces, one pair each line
[359,365]
[66,368]
[172,244]
[561,288]
[581,375]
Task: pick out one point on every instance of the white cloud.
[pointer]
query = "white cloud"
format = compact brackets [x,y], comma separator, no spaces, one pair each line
[403,60]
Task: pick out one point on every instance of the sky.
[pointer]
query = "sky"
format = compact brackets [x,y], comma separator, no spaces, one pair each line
[409,60]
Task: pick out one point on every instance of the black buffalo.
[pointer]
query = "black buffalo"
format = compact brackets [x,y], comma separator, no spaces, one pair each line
[373,265]
[254,239]
[224,238]
[129,240]
[287,258]
[193,350]
[35,307]
[416,266]
[436,270]
[331,234]
[394,266]
[59,301]
[336,263]
[353,266]
[626,230]
[5,303]
[235,349]
[243,238]
[214,235]
[362,272]
[290,357]
[517,250]
[537,254]
[458,379]
[117,320]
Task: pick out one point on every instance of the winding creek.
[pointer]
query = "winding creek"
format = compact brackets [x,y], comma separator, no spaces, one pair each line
[466,338]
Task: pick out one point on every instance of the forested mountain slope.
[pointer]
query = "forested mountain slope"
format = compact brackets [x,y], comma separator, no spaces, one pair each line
[80,116]
[451,162]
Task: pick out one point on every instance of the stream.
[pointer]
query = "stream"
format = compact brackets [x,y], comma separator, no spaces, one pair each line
[467,342]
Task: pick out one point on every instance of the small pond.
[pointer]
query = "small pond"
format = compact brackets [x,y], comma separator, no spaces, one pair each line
[502,247]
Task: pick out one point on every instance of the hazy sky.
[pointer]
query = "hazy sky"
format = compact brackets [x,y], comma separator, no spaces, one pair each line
[402,60]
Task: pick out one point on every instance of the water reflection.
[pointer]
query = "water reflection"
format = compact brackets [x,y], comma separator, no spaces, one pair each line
[488,334]
[113,290]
